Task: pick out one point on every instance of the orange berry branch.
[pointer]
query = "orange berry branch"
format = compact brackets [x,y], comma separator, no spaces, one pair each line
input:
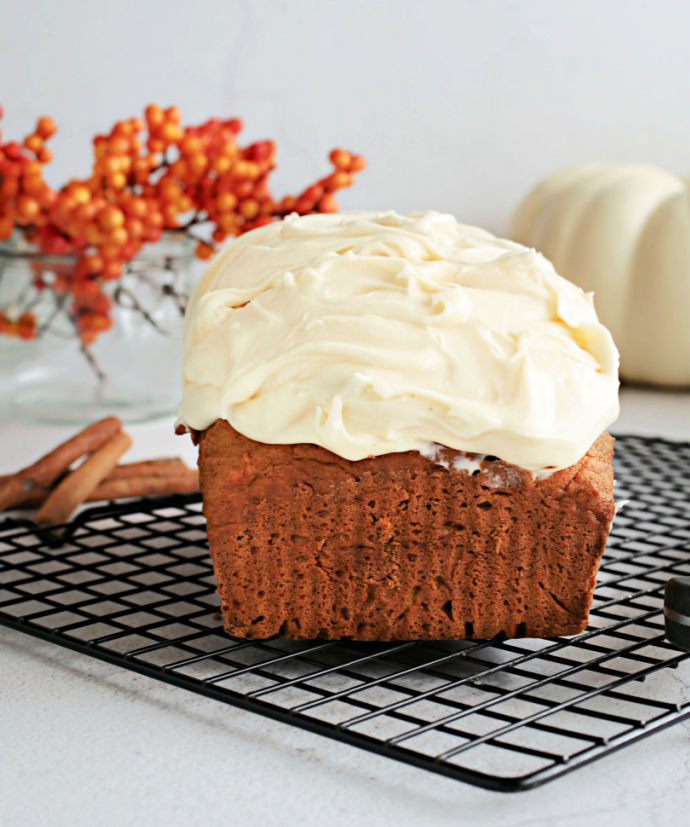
[148,176]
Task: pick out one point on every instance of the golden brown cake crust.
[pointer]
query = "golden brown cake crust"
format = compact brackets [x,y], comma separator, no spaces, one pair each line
[307,544]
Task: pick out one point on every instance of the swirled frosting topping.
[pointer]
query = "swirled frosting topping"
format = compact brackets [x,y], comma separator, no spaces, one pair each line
[372,332]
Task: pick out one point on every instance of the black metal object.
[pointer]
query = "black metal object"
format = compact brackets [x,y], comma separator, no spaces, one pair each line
[132,584]
[677,612]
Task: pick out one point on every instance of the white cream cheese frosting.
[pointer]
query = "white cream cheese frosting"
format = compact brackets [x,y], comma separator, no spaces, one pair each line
[371,332]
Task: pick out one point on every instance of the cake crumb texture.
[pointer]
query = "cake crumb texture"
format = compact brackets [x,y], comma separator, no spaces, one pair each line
[306,544]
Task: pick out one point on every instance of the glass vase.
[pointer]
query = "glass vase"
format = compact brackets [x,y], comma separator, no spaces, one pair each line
[132,371]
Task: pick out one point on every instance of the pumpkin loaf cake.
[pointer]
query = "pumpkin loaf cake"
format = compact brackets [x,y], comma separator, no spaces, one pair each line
[402,432]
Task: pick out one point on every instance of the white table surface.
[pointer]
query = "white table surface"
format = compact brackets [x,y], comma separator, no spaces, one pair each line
[83,742]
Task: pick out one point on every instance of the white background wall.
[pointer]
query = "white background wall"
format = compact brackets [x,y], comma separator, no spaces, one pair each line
[458,105]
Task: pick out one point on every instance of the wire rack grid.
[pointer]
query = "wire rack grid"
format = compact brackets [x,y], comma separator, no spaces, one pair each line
[132,584]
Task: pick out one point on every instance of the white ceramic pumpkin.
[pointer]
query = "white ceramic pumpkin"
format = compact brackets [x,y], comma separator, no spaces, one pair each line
[622,231]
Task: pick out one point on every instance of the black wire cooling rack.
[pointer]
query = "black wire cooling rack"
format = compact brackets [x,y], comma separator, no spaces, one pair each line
[132,584]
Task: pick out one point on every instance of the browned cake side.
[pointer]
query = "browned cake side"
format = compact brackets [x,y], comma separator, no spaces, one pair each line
[306,544]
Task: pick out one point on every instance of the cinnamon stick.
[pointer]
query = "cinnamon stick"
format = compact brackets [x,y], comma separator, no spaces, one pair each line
[168,475]
[46,470]
[77,486]
[183,482]
[162,467]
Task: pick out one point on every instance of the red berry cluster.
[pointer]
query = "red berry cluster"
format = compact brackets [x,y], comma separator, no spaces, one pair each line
[148,176]
[24,326]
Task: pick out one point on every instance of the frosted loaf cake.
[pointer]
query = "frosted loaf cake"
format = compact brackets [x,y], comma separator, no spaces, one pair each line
[402,426]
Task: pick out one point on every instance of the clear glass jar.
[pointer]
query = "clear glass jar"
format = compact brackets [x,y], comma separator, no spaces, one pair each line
[132,371]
